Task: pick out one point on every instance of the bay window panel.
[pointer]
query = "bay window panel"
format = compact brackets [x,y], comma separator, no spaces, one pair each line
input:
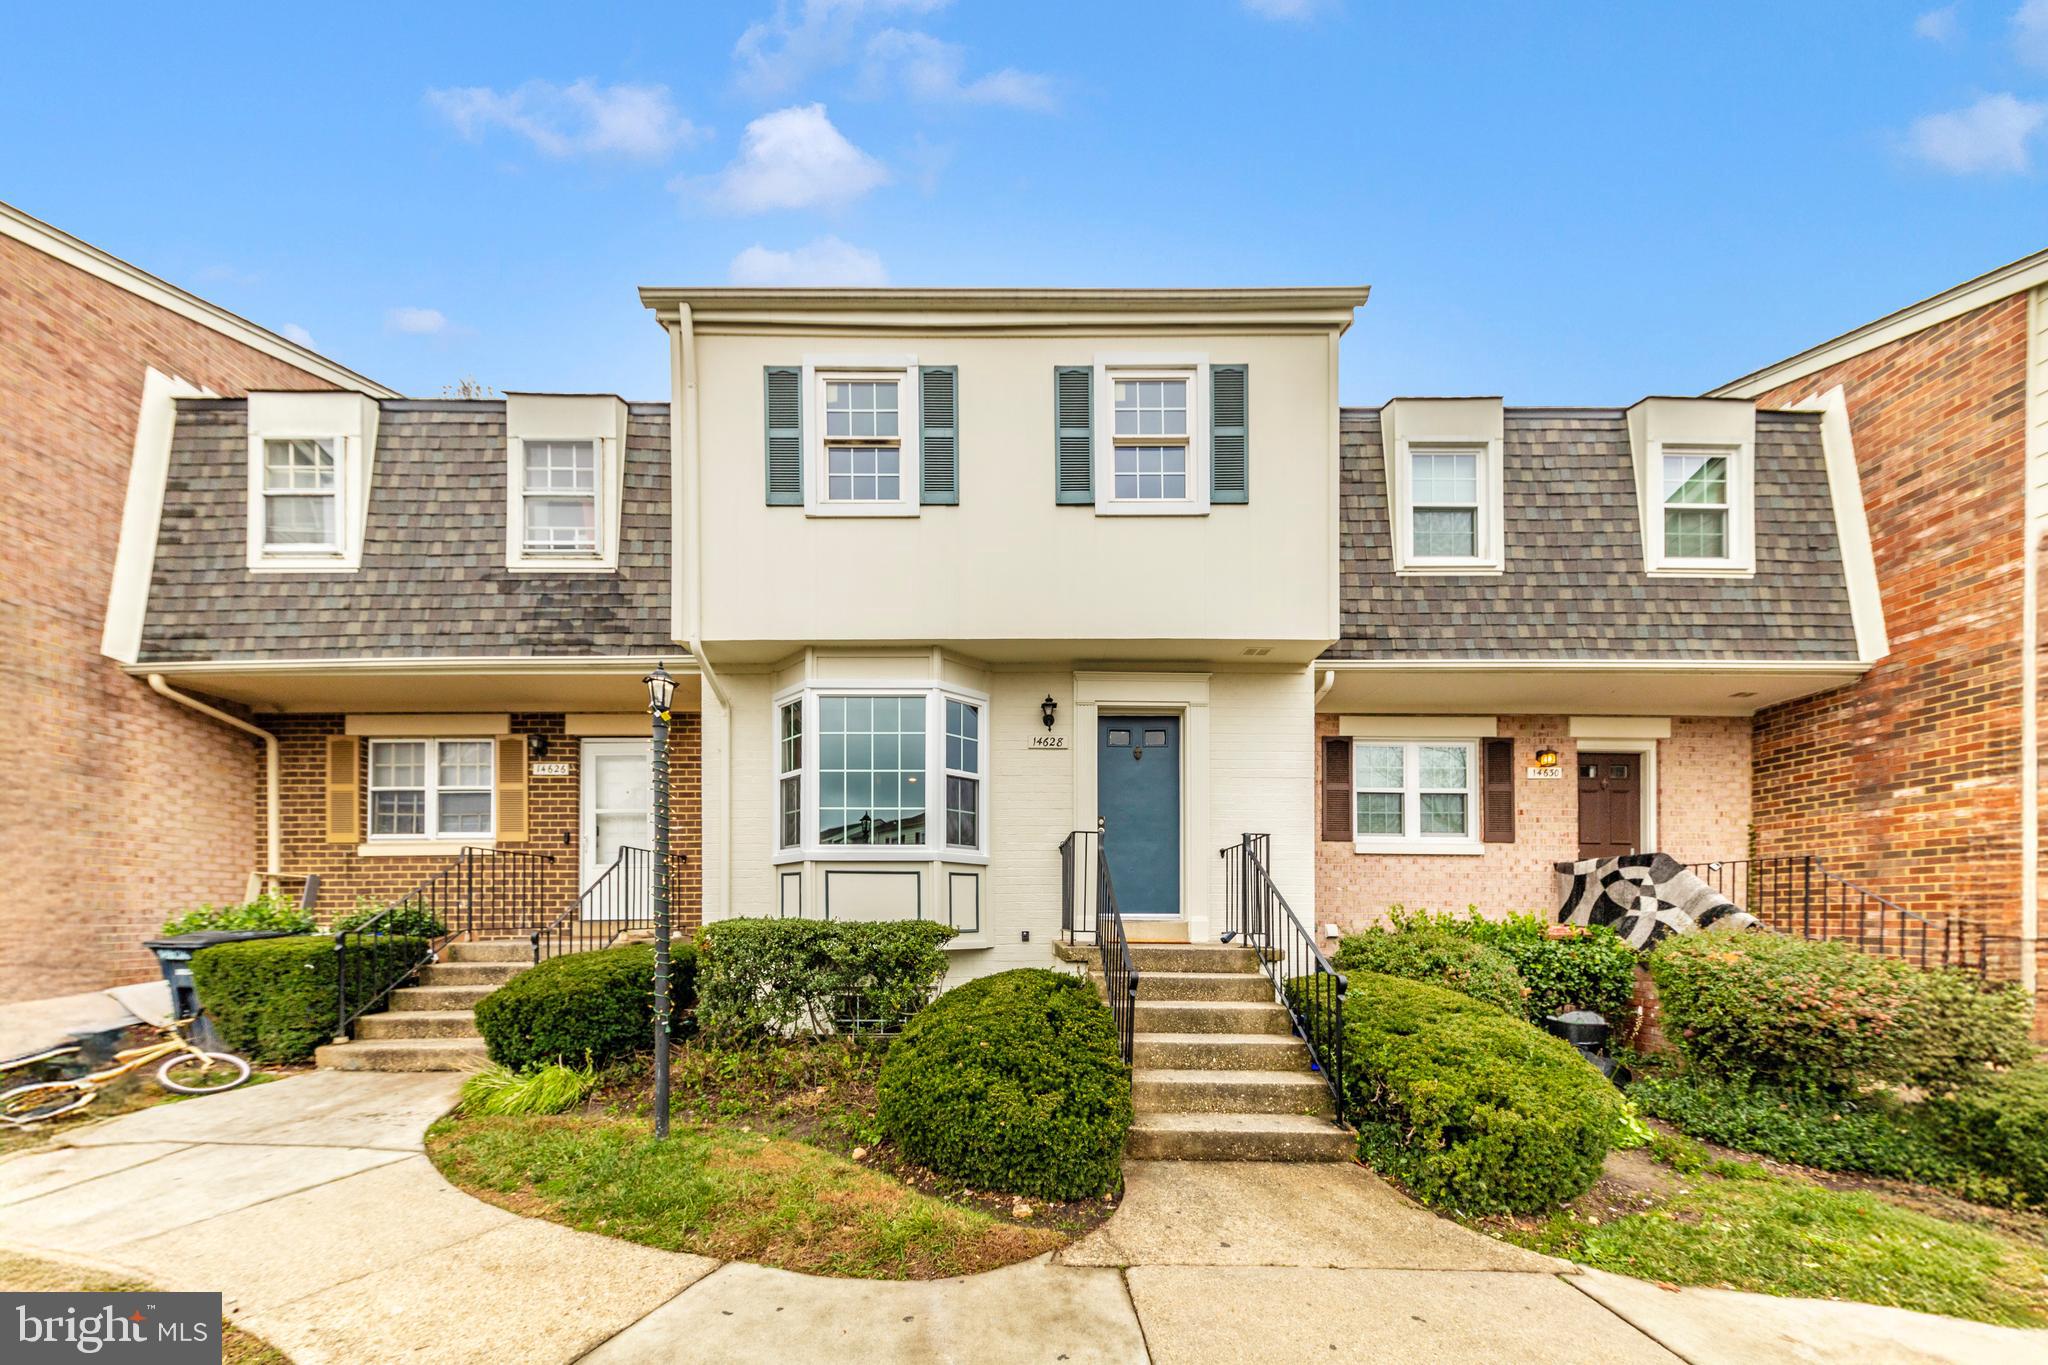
[871,771]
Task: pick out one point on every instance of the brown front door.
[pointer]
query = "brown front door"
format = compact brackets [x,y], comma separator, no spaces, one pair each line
[1610,804]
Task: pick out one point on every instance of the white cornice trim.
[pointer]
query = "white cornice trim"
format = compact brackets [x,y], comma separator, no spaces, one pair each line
[61,245]
[149,464]
[2021,275]
[1596,665]
[1852,524]
[607,664]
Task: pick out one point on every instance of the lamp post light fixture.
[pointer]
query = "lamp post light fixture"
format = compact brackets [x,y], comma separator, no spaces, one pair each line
[1047,709]
[661,690]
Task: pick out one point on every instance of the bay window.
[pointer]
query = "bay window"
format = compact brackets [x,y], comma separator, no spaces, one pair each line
[1414,796]
[430,788]
[894,773]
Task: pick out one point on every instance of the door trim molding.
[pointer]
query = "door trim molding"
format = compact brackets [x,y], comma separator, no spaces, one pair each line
[1646,783]
[586,797]
[1164,694]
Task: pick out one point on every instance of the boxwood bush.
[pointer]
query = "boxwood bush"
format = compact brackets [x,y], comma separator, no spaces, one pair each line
[1468,1106]
[584,1008]
[1419,952]
[1590,969]
[1012,1082]
[274,999]
[761,978]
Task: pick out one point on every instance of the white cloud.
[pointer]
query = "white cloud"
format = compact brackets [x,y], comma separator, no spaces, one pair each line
[1938,25]
[794,159]
[1989,137]
[1293,10]
[291,331]
[930,69]
[826,261]
[778,53]
[417,322]
[2030,33]
[584,119]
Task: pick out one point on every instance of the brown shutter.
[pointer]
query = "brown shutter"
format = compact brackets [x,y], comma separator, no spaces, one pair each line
[1498,801]
[344,790]
[512,790]
[1337,818]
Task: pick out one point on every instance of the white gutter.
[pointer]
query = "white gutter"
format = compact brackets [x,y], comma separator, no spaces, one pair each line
[1329,681]
[273,821]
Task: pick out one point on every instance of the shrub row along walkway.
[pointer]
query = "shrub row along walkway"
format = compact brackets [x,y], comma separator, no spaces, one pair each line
[309,1203]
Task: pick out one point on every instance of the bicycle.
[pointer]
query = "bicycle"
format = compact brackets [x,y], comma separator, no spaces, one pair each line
[186,1070]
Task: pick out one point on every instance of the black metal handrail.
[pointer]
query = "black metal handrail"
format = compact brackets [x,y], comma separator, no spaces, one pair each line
[1257,916]
[482,891]
[619,900]
[1088,905]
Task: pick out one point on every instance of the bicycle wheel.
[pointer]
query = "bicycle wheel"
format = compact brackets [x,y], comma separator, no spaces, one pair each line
[202,1073]
[34,1103]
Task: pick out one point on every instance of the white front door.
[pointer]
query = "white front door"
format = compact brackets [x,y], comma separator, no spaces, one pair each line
[618,814]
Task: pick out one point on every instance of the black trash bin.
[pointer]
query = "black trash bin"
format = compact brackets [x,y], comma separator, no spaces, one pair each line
[174,956]
[1588,1032]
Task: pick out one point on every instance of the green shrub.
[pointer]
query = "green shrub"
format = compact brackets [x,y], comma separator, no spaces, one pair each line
[1593,969]
[553,1089]
[265,912]
[1421,953]
[410,920]
[762,978]
[274,999]
[1467,1106]
[590,1007]
[2000,1128]
[1822,1017]
[1012,1082]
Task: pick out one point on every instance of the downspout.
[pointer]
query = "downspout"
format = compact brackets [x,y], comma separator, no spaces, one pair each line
[690,597]
[1329,681]
[273,823]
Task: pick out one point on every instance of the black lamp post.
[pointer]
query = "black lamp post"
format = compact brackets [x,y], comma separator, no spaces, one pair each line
[661,690]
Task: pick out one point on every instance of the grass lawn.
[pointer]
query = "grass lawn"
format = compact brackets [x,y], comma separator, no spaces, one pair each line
[32,1275]
[1696,1220]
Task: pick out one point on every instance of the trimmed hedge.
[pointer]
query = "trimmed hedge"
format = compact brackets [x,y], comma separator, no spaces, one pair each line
[1012,1082]
[275,1000]
[405,920]
[763,978]
[1821,1017]
[2000,1128]
[1468,1106]
[585,1008]
[1591,969]
[1422,953]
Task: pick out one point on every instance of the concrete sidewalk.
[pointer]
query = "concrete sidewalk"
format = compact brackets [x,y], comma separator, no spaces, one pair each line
[310,1204]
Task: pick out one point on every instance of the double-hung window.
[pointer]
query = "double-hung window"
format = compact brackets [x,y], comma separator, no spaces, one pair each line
[430,788]
[559,497]
[963,774]
[301,496]
[1149,454]
[789,779]
[897,773]
[1414,796]
[1444,505]
[1696,504]
[863,440]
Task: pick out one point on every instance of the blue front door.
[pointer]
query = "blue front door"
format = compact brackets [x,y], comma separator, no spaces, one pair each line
[1137,793]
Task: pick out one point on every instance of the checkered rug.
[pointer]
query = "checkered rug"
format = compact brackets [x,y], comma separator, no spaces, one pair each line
[1644,897]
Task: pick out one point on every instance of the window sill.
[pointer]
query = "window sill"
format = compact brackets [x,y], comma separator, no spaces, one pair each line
[856,854]
[1681,569]
[1473,567]
[1453,848]
[965,944]
[422,848]
[566,564]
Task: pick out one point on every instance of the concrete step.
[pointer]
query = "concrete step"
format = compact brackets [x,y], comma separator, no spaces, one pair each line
[470,973]
[1237,1137]
[1192,957]
[438,997]
[418,1024]
[1163,1091]
[1219,1052]
[403,1054]
[1209,1016]
[490,950]
[1243,986]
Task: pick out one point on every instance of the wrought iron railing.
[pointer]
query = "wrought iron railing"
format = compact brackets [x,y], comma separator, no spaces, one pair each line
[1257,916]
[619,900]
[1088,906]
[1796,894]
[482,892]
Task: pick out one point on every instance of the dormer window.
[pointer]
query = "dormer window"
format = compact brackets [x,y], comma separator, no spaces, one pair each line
[301,496]
[1695,479]
[1445,479]
[309,479]
[565,481]
[561,497]
[1444,512]
[1696,504]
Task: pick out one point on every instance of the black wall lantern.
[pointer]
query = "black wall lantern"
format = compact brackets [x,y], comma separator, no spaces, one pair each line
[1047,709]
[536,745]
[1546,757]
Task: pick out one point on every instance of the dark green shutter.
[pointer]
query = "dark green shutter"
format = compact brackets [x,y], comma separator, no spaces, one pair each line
[939,452]
[1230,457]
[1073,401]
[785,387]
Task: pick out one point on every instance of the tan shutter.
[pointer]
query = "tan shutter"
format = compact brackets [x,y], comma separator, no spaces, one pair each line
[1498,799]
[1337,816]
[512,790]
[344,790]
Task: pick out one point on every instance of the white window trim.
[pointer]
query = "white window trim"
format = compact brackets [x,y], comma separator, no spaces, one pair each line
[1109,369]
[903,372]
[935,850]
[311,558]
[1741,558]
[1488,540]
[337,493]
[349,422]
[610,488]
[431,833]
[1468,844]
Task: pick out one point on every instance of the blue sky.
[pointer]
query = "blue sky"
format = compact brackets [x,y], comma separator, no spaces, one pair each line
[1561,203]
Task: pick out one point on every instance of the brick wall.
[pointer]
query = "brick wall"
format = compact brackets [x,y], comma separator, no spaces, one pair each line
[554,818]
[124,804]
[1908,782]
[1702,813]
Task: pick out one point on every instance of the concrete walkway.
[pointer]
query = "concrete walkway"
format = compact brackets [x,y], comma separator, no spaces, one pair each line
[310,1204]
